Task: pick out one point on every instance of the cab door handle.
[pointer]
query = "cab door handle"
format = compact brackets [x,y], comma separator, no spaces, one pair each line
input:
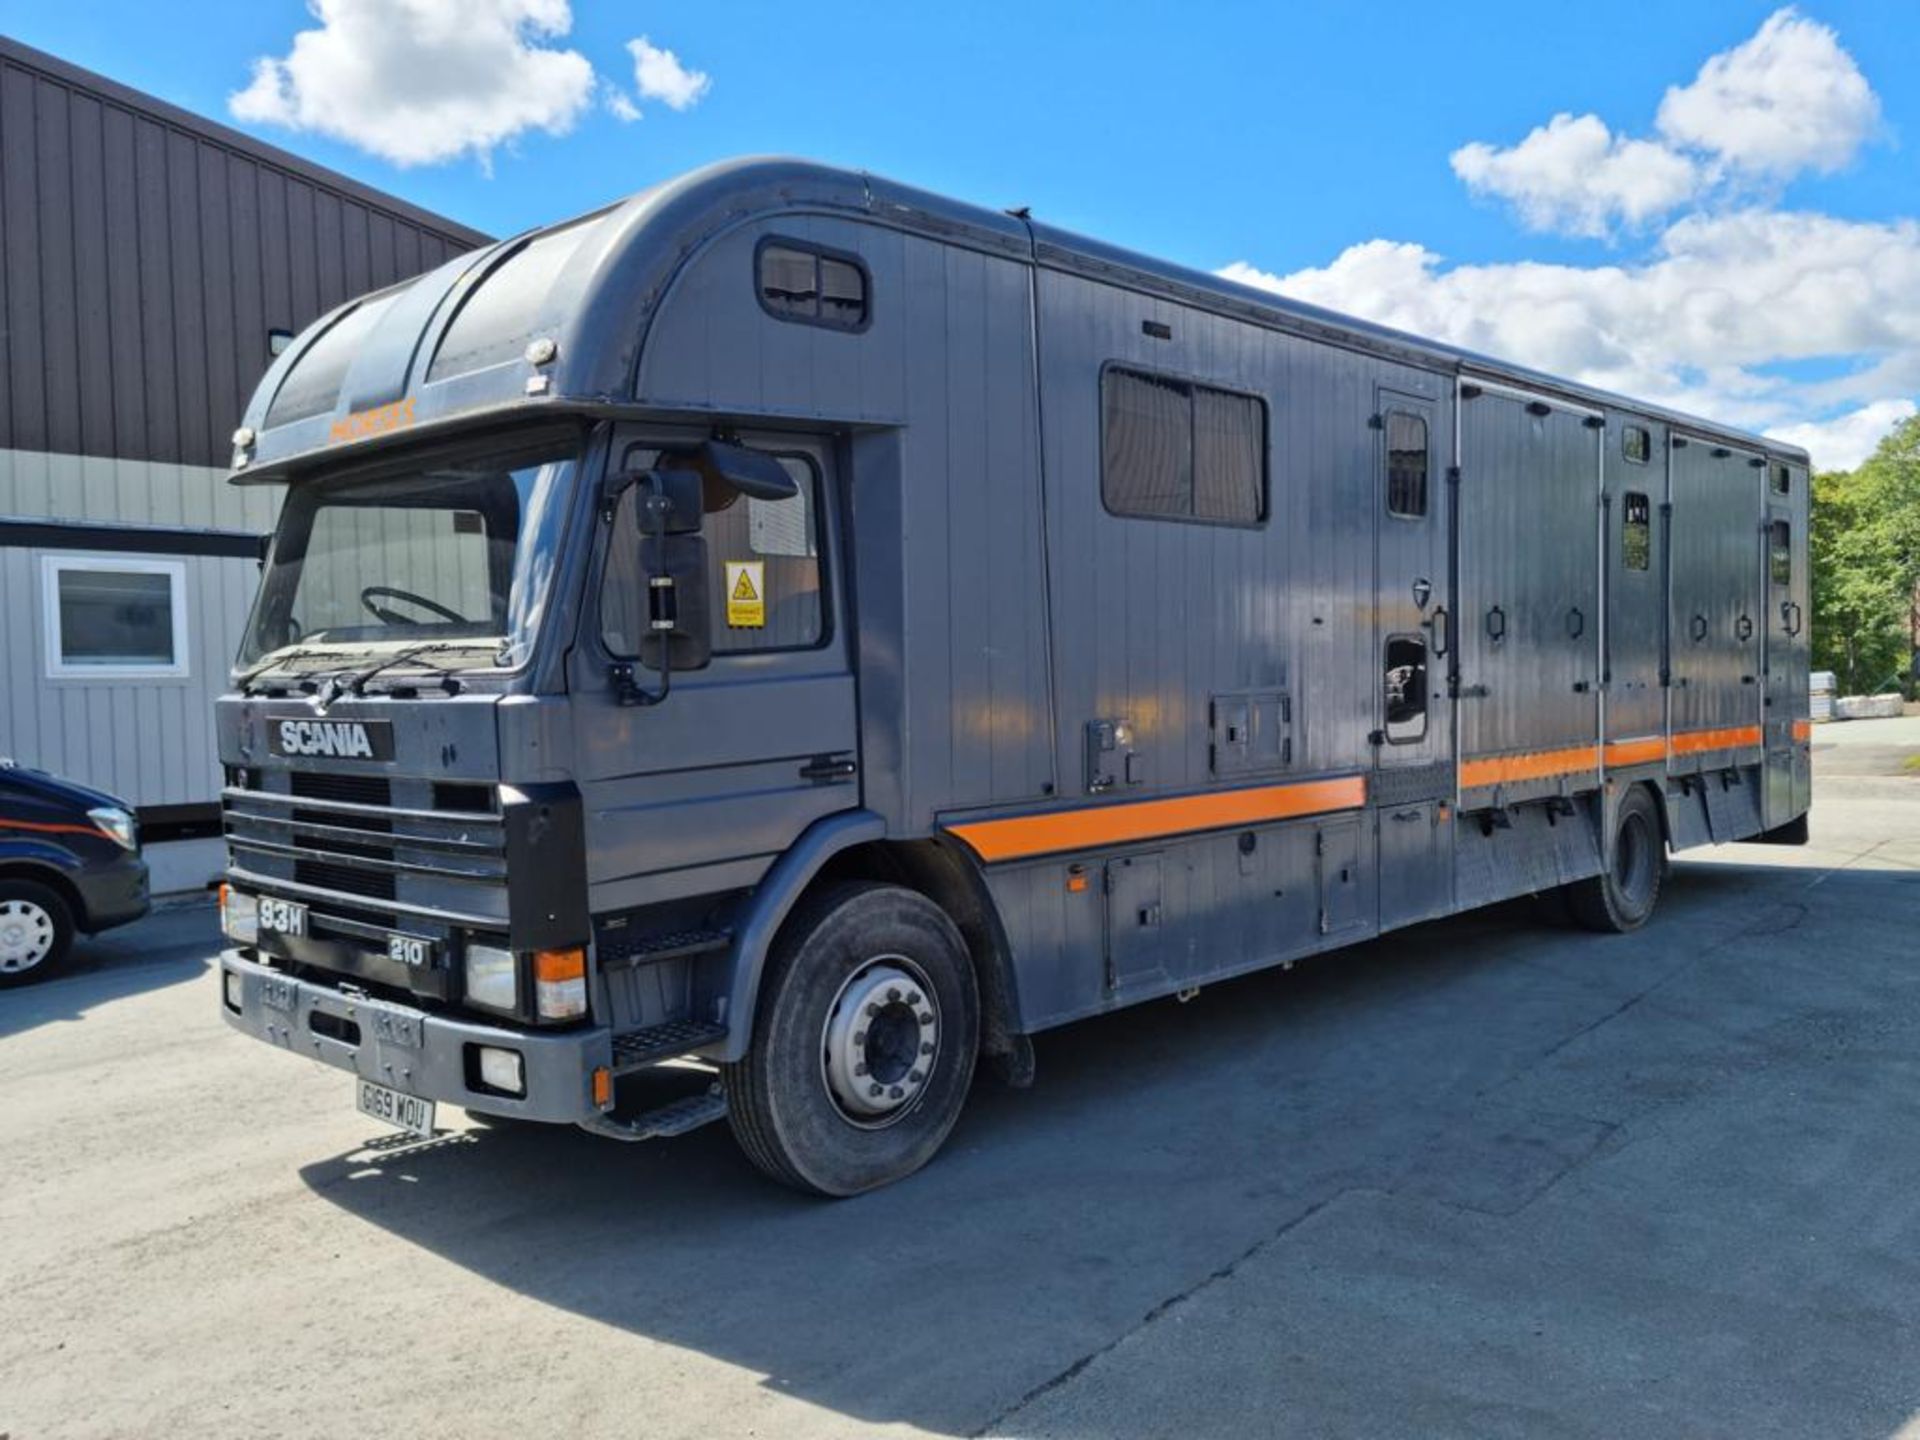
[827,768]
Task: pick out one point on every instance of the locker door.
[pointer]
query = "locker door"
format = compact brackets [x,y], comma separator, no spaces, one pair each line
[1715,621]
[1783,562]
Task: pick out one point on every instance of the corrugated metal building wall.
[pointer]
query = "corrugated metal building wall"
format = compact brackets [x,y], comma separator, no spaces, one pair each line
[147,257]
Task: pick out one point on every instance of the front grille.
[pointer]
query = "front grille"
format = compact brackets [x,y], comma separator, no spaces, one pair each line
[328,875]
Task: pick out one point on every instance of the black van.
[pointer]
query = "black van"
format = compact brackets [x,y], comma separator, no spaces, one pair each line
[69,862]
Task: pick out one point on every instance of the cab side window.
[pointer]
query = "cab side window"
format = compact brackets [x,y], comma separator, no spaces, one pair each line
[764,589]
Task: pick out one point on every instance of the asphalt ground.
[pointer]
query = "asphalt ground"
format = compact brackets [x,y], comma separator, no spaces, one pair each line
[1488,1177]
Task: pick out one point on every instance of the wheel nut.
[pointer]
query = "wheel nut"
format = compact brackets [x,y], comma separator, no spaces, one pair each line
[859,1069]
[893,994]
[926,1017]
[926,1048]
[859,1037]
[874,1091]
[917,1076]
[913,999]
[873,1009]
[896,1093]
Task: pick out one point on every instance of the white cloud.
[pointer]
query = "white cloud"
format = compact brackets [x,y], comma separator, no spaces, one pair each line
[621,107]
[1574,175]
[422,81]
[1695,324]
[659,75]
[1787,100]
[1843,442]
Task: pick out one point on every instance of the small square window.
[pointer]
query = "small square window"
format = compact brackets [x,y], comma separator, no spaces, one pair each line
[1780,552]
[811,287]
[1636,531]
[1782,480]
[1406,464]
[109,618]
[1636,443]
[1405,689]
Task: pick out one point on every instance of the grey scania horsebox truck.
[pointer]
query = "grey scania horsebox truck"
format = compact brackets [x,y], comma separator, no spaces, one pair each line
[798,623]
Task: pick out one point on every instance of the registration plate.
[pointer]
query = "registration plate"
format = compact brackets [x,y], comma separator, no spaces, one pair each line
[400,1110]
[282,917]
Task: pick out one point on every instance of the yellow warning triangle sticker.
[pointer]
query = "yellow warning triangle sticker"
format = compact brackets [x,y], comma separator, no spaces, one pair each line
[743,587]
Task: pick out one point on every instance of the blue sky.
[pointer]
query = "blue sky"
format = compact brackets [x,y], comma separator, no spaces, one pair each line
[1749,248]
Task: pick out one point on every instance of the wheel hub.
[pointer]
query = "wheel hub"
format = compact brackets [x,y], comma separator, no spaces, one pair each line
[26,935]
[881,1041]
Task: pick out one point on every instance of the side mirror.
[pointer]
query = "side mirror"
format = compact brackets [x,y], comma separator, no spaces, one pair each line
[754,474]
[687,638]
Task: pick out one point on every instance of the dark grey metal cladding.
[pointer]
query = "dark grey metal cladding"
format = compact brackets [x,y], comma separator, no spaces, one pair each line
[1788,703]
[1716,616]
[1529,588]
[145,253]
[1636,603]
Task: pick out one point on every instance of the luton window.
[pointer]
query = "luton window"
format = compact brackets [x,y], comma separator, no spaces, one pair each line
[812,287]
[115,618]
[1780,552]
[1173,450]
[1636,444]
[1406,464]
[1406,689]
[1636,531]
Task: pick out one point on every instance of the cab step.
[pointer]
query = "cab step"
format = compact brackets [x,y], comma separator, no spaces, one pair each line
[676,1118]
[617,954]
[637,1049]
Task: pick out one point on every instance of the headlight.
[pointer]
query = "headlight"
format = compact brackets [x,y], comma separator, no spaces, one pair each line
[560,984]
[117,825]
[240,916]
[493,978]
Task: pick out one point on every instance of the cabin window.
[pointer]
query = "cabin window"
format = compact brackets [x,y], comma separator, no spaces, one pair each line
[1636,531]
[114,618]
[1406,464]
[1780,552]
[1782,480]
[1405,689]
[1174,450]
[764,588]
[812,287]
[1636,443]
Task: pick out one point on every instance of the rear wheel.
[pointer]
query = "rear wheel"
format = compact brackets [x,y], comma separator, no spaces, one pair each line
[1622,897]
[36,932]
[864,1041]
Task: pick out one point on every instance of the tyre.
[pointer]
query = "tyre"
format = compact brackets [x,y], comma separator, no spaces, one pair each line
[1622,896]
[864,1041]
[36,932]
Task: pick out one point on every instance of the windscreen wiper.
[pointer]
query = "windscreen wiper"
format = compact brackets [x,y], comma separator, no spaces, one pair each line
[356,681]
[278,658]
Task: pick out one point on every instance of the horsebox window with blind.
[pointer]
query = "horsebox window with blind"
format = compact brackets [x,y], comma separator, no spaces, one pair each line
[1175,450]
[1636,531]
[812,287]
[1636,444]
[1406,464]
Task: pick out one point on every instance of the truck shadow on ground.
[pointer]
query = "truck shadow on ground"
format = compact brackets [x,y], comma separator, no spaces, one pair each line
[1159,1145]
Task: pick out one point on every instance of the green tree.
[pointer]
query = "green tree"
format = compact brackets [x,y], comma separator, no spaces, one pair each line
[1865,545]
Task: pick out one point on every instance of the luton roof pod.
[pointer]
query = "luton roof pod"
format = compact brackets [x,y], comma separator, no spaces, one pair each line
[555,320]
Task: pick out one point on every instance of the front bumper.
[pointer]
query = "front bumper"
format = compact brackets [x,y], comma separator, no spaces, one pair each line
[412,1051]
[113,893]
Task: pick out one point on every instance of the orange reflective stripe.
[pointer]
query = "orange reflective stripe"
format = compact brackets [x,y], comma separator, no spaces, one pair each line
[1803,729]
[1694,741]
[47,829]
[1636,752]
[1022,837]
[1536,765]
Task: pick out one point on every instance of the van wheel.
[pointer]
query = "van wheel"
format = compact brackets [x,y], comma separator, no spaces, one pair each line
[864,1040]
[1622,897]
[36,932]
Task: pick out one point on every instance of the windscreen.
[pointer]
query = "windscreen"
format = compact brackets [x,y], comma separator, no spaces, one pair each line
[456,552]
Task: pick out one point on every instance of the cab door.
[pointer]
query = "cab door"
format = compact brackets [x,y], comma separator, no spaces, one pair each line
[701,791]
[1413,717]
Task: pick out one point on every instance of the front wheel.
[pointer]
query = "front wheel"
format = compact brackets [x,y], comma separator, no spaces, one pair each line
[1622,896]
[864,1041]
[36,932]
